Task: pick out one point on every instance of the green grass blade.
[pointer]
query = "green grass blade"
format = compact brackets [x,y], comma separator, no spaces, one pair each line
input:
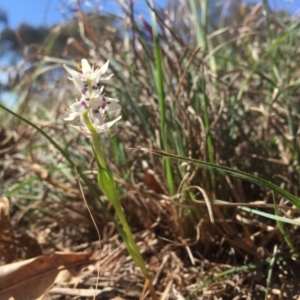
[281,227]
[239,174]
[21,186]
[161,97]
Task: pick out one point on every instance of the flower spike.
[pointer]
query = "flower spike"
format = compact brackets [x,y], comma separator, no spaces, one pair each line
[92,101]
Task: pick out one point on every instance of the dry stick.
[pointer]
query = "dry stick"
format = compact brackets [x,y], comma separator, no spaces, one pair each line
[186,70]
[86,25]
[207,201]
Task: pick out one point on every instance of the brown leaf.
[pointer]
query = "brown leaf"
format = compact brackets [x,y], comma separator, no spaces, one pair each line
[152,182]
[32,278]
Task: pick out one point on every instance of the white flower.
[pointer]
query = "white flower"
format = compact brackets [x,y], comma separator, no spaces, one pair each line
[99,125]
[102,104]
[92,98]
[88,80]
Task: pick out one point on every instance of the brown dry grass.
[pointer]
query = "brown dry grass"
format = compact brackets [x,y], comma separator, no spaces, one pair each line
[253,117]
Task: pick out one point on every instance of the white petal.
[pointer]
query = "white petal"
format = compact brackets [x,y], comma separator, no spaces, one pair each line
[98,119]
[97,96]
[72,116]
[71,71]
[113,106]
[108,99]
[101,71]
[108,77]
[78,83]
[79,106]
[104,68]
[82,129]
[86,68]
[94,76]
[97,101]
[104,127]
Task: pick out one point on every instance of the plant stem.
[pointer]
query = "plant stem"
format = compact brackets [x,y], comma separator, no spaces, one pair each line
[95,138]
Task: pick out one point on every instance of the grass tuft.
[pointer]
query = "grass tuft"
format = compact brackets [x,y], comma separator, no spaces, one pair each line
[213,97]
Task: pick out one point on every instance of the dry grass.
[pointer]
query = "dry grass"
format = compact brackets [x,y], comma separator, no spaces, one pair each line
[234,104]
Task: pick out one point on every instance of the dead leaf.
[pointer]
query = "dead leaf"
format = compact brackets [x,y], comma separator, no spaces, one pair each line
[32,279]
[153,183]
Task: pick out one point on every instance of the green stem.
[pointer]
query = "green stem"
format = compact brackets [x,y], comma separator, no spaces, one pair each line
[133,248]
[112,195]
[108,186]
[95,138]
